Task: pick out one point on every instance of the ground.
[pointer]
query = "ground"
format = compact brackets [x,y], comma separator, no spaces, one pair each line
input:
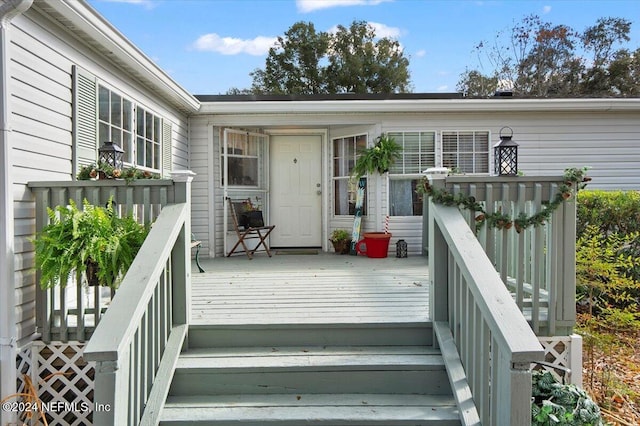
[612,378]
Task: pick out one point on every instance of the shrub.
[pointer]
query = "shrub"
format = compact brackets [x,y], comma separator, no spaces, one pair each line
[558,404]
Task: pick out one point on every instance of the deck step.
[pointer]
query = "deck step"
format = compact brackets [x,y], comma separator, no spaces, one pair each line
[388,333]
[312,409]
[277,370]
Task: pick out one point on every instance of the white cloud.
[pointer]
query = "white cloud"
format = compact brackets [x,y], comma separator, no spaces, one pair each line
[149,4]
[421,53]
[381,30]
[443,88]
[546,9]
[306,6]
[234,46]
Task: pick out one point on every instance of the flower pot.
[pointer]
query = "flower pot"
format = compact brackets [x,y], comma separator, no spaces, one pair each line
[374,244]
[341,246]
[92,273]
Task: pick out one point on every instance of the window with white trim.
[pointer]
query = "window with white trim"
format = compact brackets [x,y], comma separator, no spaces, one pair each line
[345,153]
[466,151]
[123,122]
[244,153]
[418,154]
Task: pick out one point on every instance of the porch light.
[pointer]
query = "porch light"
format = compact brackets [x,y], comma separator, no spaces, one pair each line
[111,154]
[505,154]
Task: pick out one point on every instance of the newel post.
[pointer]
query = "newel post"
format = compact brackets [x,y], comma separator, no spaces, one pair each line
[181,254]
[438,256]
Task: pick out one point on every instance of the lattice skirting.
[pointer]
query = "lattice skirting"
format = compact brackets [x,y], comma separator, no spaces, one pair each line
[562,353]
[63,381]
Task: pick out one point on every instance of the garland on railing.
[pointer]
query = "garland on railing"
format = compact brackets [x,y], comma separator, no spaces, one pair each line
[499,220]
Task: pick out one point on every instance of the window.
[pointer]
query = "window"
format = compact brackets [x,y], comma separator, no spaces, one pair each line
[345,152]
[243,151]
[418,154]
[466,152]
[116,123]
[148,137]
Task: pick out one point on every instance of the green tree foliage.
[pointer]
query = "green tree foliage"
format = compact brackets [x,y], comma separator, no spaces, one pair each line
[294,65]
[539,59]
[351,60]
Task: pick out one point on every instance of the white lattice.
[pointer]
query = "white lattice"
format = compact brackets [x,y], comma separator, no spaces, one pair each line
[24,365]
[65,383]
[564,353]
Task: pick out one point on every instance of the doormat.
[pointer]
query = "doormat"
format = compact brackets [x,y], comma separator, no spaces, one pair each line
[297,251]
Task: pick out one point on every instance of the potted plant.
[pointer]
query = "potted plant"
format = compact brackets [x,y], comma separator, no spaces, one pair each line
[341,240]
[94,241]
[102,170]
[378,158]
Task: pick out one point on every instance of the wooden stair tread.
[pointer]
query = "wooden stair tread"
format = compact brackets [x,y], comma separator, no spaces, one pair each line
[315,358]
[334,409]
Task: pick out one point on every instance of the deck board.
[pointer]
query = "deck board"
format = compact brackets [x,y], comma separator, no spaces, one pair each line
[310,289]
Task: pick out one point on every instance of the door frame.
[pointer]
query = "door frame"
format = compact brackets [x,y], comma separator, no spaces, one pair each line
[324,172]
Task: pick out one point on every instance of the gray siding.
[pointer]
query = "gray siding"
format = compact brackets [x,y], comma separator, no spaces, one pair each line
[607,142]
[41,95]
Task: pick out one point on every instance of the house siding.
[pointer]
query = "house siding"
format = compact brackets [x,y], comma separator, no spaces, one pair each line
[608,142]
[41,121]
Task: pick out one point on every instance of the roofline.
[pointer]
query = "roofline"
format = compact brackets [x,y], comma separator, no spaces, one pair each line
[421,105]
[87,20]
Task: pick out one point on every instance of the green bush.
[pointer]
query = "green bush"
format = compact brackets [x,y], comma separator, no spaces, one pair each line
[558,404]
[611,211]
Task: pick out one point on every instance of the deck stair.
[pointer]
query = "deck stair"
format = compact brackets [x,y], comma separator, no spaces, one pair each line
[306,374]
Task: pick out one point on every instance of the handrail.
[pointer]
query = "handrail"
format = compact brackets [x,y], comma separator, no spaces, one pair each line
[538,263]
[144,323]
[494,341]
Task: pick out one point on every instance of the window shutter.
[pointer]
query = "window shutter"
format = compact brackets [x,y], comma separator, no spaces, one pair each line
[166,148]
[85,131]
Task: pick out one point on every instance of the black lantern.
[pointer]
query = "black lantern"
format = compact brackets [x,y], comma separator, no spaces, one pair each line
[505,154]
[111,154]
[401,248]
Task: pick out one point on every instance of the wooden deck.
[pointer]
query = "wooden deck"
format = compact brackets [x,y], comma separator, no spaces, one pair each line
[310,289]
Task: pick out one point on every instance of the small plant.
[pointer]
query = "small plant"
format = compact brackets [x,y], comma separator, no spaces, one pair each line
[341,240]
[93,239]
[379,158]
[340,235]
[102,170]
[558,404]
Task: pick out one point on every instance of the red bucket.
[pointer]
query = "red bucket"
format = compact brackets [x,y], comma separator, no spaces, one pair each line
[374,244]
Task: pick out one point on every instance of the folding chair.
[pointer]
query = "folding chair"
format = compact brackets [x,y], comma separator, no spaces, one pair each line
[247,230]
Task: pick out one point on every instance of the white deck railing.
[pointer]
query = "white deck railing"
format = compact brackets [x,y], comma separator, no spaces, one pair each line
[73,312]
[487,344]
[538,263]
[138,341]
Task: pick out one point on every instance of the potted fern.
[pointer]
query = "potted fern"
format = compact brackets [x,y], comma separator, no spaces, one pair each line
[93,241]
[378,158]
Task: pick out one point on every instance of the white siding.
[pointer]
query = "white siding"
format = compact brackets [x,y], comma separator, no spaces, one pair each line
[41,121]
[608,142]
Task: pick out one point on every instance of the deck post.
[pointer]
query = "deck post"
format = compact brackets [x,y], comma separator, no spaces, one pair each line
[438,258]
[181,255]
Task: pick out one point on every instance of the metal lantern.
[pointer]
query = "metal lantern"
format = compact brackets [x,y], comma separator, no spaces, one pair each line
[401,248]
[505,154]
[111,154]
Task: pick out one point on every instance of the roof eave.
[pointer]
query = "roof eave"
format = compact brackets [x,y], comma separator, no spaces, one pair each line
[79,16]
[421,105]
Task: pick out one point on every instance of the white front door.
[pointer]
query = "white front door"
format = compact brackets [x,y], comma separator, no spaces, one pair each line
[296,190]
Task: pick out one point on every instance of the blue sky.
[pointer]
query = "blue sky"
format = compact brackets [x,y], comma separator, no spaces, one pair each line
[209,46]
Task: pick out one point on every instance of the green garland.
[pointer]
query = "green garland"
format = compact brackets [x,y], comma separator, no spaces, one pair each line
[572,177]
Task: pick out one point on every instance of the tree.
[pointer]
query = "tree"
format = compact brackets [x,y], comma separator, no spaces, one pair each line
[360,64]
[545,60]
[293,66]
[305,61]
